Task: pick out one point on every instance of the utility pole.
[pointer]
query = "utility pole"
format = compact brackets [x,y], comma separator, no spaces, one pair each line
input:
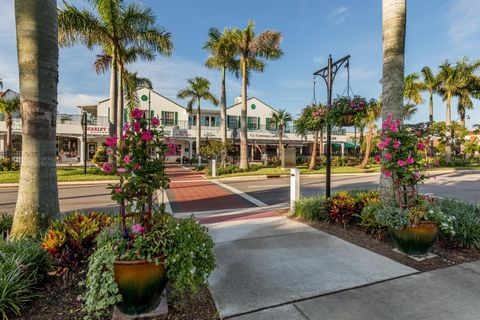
[328,74]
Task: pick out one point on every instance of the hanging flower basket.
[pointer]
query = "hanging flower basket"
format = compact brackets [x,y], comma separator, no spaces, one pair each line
[345,110]
[348,120]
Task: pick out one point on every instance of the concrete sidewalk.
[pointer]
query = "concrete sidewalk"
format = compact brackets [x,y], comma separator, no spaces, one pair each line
[445,294]
[270,261]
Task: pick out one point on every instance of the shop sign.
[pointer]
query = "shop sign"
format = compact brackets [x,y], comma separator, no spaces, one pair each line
[16,125]
[180,133]
[97,131]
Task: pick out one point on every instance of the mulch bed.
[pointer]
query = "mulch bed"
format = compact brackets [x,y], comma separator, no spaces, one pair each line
[59,299]
[447,255]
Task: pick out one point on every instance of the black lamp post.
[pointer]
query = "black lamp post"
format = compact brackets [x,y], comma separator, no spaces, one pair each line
[328,74]
[85,149]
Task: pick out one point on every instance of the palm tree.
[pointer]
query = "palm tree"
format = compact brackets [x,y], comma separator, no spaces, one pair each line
[431,84]
[374,111]
[251,49]
[451,81]
[312,119]
[469,87]
[394,14]
[9,107]
[198,88]
[37,49]
[412,91]
[222,56]
[281,118]
[114,27]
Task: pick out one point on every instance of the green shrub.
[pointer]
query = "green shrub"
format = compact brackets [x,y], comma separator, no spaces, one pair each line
[100,156]
[70,241]
[466,222]
[6,222]
[189,255]
[367,219]
[7,164]
[23,264]
[311,209]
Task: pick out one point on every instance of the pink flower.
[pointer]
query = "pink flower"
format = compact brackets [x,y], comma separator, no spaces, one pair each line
[401,163]
[146,135]
[124,136]
[410,160]
[126,126]
[377,158]
[118,190]
[121,170]
[109,151]
[380,146]
[126,159]
[155,121]
[394,127]
[107,168]
[137,113]
[124,145]
[387,174]
[137,166]
[111,141]
[417,174]
[136,228]
[388,156]
[396,144]
[387,141]
[421,146]
[136,126]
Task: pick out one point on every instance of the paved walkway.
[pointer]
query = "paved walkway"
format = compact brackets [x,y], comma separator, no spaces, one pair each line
[270,267]
[190,191]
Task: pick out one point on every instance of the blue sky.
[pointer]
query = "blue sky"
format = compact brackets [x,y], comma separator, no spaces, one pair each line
[312,29]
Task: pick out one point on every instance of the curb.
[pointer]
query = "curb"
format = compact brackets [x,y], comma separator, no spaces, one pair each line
[65,183]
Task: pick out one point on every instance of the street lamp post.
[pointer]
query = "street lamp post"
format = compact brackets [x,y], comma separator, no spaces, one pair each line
[328,74]
[85,151]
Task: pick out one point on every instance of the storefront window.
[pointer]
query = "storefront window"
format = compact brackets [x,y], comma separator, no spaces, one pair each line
[253,123]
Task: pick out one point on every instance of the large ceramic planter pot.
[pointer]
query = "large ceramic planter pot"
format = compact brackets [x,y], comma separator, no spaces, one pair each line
[415,241]
[347,120]
[141,284]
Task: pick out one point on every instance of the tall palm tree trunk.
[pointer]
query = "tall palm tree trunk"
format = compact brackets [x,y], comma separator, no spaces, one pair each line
[280,139]
[361,140]
[367,147]
[120,103]
[112,118]
[8,123]
[313,157]
[223,119]
[430,119]
[37,48]
[199,130]
[243,120]
[393,31]
[448,146]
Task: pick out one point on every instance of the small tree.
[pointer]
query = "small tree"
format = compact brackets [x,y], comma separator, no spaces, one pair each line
[281,119]
[312,119]
[9,107]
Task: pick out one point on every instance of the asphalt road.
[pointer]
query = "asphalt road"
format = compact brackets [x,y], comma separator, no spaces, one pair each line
[72,198]
[464,185]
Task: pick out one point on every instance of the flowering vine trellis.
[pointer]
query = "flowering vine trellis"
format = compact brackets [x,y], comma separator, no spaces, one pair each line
[140,156]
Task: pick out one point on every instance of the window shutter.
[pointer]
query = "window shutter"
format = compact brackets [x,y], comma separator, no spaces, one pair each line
[151,114]
[258,123]
[124,115]
[163,118]
[239,122]
[176,118]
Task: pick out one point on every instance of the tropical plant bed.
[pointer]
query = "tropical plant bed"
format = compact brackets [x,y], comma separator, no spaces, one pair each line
[58,299]
[446,254]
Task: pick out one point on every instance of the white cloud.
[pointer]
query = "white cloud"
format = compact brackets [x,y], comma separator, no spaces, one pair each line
[339,14]
[319,60]
[72,100]
[464,20]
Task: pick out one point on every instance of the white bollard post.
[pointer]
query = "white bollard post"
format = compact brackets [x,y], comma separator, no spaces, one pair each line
[199,161]
[294,188]
[181,159]
[214,168]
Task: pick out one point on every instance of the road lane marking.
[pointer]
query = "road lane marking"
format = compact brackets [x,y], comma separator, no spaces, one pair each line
[253,200]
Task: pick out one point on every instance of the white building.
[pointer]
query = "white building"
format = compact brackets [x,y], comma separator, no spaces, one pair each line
[179,127]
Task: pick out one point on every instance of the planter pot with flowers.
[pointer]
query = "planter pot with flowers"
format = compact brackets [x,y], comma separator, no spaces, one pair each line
[145,248]
[345,111]
[412,220]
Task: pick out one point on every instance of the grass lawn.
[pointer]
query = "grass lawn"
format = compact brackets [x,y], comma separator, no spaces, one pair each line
[63,174]
[335,170]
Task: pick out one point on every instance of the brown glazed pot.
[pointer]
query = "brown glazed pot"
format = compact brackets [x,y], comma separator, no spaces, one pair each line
[141,284]
[417,240]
